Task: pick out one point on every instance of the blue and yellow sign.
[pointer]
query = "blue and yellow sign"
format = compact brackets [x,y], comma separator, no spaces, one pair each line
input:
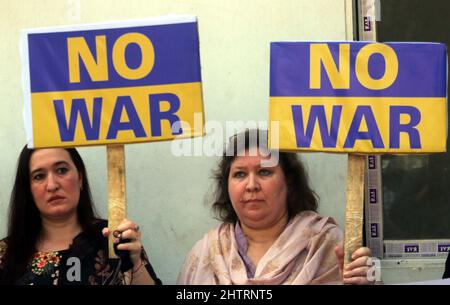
[137,81]
[359,96]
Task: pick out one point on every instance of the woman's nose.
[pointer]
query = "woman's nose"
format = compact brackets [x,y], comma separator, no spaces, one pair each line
[52,183]
[252,183]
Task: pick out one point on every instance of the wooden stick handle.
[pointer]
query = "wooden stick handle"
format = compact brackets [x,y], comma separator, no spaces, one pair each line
[117,208]
[354,210]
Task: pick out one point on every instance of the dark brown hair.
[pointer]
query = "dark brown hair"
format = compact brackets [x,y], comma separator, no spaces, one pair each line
[300,196]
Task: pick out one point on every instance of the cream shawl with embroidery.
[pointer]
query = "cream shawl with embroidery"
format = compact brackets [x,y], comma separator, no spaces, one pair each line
[302,254]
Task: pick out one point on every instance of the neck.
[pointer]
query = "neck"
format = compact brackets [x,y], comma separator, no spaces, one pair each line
[267,235]
[57,234]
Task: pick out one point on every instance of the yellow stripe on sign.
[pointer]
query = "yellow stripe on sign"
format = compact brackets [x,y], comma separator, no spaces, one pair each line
[360,124]
[117,115]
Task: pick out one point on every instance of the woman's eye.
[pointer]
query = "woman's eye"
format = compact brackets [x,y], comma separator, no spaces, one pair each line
[265,172]
[62,170]
[38,177]
[239,174]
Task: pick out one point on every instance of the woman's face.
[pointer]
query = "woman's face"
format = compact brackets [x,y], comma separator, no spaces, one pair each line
[55,182]
[258,193]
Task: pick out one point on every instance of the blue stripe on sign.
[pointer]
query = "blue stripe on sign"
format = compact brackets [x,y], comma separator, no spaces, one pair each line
[176,58]
[421,70]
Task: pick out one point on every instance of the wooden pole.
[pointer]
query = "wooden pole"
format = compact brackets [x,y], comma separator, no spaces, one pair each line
[117,208]
[354,210]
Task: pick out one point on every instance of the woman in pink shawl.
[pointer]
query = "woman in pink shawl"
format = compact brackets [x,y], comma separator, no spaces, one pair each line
[271,233]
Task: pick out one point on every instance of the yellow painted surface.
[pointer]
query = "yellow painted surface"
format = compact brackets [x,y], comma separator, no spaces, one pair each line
[432,113]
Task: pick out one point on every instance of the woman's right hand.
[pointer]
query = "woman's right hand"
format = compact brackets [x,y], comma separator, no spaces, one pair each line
[128,230]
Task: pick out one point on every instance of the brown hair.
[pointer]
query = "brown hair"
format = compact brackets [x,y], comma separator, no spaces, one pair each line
[300,196]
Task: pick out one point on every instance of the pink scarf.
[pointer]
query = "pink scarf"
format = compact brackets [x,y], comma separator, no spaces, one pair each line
[302,254]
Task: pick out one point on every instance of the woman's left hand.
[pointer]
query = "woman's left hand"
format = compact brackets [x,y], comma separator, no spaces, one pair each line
[128,230]
[357,271]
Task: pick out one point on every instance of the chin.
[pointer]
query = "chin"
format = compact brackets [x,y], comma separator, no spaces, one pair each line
[60,212]
[256,218]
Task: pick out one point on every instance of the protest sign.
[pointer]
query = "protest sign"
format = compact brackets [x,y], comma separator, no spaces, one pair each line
[359,97]
[112,83]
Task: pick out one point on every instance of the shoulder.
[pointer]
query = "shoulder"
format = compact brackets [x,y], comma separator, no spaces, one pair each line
[99,224]
[312,218]
[91,237]
[317,225]
[196,268]
[208,237]
[222,234]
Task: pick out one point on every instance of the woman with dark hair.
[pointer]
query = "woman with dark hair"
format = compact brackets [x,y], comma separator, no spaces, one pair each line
[271,232]
[54,235]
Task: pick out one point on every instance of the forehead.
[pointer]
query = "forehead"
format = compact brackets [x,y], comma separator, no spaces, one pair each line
[42,158]
[250,159]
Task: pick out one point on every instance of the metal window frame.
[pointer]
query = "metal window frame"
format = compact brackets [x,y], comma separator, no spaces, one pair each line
[367,13]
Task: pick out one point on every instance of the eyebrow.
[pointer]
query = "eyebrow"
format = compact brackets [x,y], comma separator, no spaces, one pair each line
[238,167]
[57,163]
[244,167]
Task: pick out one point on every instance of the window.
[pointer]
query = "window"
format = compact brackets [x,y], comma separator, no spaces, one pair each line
[408,197]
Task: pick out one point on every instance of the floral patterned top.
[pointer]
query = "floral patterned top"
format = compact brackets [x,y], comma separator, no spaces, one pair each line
[45,264]
[85,263]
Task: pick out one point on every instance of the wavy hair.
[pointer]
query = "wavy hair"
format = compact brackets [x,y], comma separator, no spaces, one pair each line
[300,196]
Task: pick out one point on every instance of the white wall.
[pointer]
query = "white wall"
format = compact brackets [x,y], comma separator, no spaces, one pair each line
[167,195]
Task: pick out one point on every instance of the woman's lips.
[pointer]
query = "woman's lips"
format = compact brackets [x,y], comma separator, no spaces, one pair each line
[253,200]
[55,198]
